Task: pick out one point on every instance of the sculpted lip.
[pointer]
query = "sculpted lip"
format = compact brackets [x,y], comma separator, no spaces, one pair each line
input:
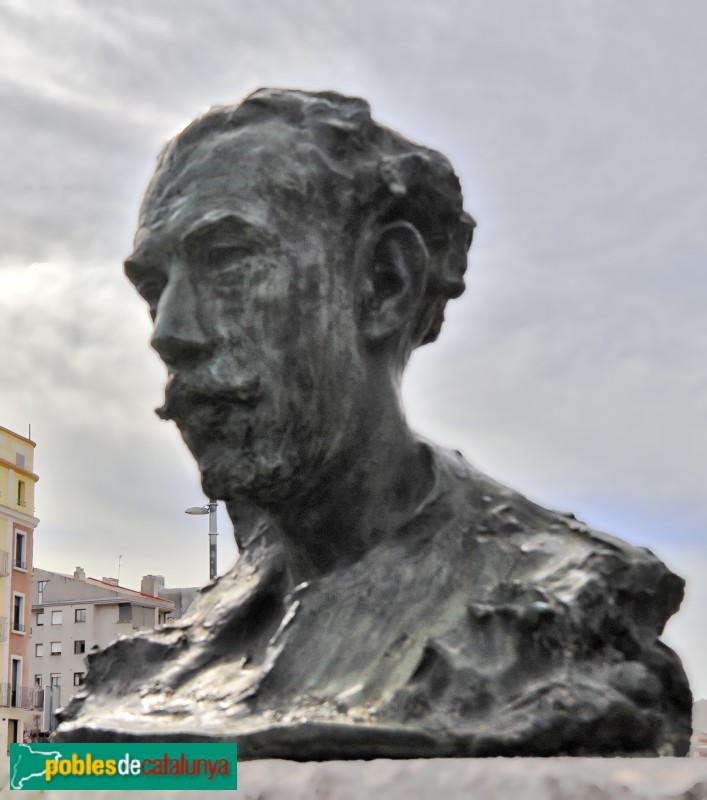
[185,395]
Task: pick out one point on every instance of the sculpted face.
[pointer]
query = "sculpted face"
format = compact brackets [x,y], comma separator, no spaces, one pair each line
[253,315]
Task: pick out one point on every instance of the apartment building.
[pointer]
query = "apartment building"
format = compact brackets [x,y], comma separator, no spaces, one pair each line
[74,614]
[17,524]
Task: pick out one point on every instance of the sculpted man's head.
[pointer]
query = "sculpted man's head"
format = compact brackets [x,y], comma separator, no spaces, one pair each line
[293,253]
[390,600]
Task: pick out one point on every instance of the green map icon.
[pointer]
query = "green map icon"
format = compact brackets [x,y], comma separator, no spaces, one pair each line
[28,765]
[136,765]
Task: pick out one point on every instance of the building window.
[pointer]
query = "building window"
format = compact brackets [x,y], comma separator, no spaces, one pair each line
[56,648]
[57,617]
[54,678]
[18,613]
[16,683]
[80,615]
[20,550]
[38,681]
[79,678]
[20,460]
[39,650]
[125,612]
[79,646]
[40,618]
[21,494]
[41,586]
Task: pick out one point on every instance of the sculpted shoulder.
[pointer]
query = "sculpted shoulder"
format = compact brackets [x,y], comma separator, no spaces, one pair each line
[552,549]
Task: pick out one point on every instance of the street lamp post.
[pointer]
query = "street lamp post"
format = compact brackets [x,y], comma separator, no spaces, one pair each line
[210,509]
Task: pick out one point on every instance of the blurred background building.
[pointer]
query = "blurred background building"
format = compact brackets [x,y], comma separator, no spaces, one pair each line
[17,524]
[73,615]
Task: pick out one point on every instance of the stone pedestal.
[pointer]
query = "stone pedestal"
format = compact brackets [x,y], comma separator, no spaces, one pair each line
[449,779]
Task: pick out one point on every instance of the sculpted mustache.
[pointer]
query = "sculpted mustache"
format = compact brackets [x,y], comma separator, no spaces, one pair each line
[183,393]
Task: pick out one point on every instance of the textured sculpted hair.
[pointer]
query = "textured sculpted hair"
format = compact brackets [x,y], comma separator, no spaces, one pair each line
[385,178]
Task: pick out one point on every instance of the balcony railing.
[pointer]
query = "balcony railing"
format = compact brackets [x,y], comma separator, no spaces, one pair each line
[18,627]
[4,628]
[20,562]
[4,563]
[23,697]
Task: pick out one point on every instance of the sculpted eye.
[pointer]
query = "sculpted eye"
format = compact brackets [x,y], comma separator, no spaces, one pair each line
[222,257]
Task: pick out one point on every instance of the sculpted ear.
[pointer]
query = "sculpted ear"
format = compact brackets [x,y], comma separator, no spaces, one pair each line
[394,280]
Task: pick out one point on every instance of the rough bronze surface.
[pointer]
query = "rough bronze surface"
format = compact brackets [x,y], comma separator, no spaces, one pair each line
[390,600]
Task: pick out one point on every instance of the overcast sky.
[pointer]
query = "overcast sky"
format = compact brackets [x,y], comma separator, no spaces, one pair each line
[575,366]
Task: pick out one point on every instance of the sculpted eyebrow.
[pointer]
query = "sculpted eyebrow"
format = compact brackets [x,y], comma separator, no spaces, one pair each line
[140,264]
[228,225]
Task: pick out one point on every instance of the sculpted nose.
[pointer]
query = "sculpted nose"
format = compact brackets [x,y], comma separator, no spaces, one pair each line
[179,337]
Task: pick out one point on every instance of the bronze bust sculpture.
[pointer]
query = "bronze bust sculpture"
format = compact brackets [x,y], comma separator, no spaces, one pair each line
[390,600]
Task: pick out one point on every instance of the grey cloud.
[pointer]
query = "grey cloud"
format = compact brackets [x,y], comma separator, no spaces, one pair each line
[573,368]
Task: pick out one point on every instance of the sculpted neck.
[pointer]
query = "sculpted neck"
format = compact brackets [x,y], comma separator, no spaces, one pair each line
[356,501]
